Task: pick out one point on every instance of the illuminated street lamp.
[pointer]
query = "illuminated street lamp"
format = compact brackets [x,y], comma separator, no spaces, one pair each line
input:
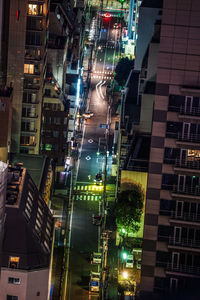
[125,275]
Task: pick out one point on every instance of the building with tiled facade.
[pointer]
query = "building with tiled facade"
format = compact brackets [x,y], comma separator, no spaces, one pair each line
[171,244]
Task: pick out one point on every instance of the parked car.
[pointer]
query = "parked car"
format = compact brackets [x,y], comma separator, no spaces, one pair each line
[96,220]
[94,284]
[96,258]
[129,261]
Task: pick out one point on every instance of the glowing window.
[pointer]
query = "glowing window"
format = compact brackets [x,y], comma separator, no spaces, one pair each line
[28,68]
[33,9]
[13,262]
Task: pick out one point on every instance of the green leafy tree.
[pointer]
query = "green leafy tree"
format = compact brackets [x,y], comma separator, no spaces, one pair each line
[129,210]
[122,70]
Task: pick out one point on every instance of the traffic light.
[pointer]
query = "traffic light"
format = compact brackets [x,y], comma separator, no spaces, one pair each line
[124,255]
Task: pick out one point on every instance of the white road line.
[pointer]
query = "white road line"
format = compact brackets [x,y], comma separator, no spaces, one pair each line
[101,89]
[97,89]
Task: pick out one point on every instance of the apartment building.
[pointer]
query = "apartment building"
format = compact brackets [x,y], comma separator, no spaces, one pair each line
[6,122]
[3,187]
[27,35]
[171,244]
[27,239]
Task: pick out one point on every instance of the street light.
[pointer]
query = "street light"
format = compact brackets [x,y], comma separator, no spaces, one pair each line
[125,275]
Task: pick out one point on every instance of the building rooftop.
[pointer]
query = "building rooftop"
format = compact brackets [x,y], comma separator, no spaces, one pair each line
[37,166]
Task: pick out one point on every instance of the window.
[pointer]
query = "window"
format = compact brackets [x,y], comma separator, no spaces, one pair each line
[57,121]
[13,262]
[55,134]
[28,69]
[35,9]
[10,297]
[65,134]
[47,93]
[29,97]
[27,140]
[33,38]
[13,280]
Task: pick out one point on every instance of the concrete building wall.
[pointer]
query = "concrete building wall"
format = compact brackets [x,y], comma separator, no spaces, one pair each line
[147,18]
[32,285]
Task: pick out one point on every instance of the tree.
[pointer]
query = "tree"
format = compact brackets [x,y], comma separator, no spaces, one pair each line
[122,70]
[129,209]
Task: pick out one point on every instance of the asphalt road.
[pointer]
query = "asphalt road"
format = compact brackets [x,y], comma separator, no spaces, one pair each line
[85,237]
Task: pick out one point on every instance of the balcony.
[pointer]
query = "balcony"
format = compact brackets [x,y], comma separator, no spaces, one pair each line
[32,116]
[188,139]
[28,130]
[186,190]
[187,166]
[189,217]
[193,111]
[183,269]
[184,242]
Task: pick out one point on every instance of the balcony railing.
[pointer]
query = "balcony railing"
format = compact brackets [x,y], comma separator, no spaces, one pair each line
[185,269]
[193,217]
[188,164]
[193,111]
[29,116]
[187,190]
[191,138]
[184,242]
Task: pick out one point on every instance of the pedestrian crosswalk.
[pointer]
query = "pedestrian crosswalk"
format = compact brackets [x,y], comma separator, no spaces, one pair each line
[87,197]
[88,188]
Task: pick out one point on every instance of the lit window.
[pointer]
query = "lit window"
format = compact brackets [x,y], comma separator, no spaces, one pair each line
[28,69]
[33,9]
[13,280]
[13,262]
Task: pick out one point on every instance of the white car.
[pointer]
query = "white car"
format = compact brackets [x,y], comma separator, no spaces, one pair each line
[88,115]
[96,258]
[129,261]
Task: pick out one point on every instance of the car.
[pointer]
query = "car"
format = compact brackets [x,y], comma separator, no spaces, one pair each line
[96,220]
[98,179]
[116,26]
[138,266]
[94,284]
[129,261]
[96,258]
[88,115]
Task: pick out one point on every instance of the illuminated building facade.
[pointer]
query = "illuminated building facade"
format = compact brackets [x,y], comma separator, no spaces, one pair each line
[27,35]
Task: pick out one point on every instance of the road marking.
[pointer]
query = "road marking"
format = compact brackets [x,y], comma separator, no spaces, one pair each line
[90,141]
[82,187]
[78,187]
[85,197]
[88,157]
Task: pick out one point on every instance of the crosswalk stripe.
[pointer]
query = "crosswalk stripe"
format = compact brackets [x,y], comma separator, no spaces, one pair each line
[78,187]
[86,187]
[85,197]
[82,187]
[92,198]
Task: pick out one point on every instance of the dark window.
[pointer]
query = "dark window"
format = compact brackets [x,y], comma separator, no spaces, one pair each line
[10,297]
[170,155]
[13,280]
[48,92]
[162,258]
[168,181]
[164,232]
[166,206]
[173,128]
[175,102]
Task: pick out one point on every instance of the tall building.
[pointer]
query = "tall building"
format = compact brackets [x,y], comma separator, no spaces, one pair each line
[6,122]
[171,244]
[27,239]
[26,27]
[3,186]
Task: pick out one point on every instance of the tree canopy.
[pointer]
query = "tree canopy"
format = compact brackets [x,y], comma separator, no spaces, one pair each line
[122,70]
[129,209]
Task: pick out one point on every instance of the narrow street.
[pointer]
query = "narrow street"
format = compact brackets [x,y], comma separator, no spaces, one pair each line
[87,197]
